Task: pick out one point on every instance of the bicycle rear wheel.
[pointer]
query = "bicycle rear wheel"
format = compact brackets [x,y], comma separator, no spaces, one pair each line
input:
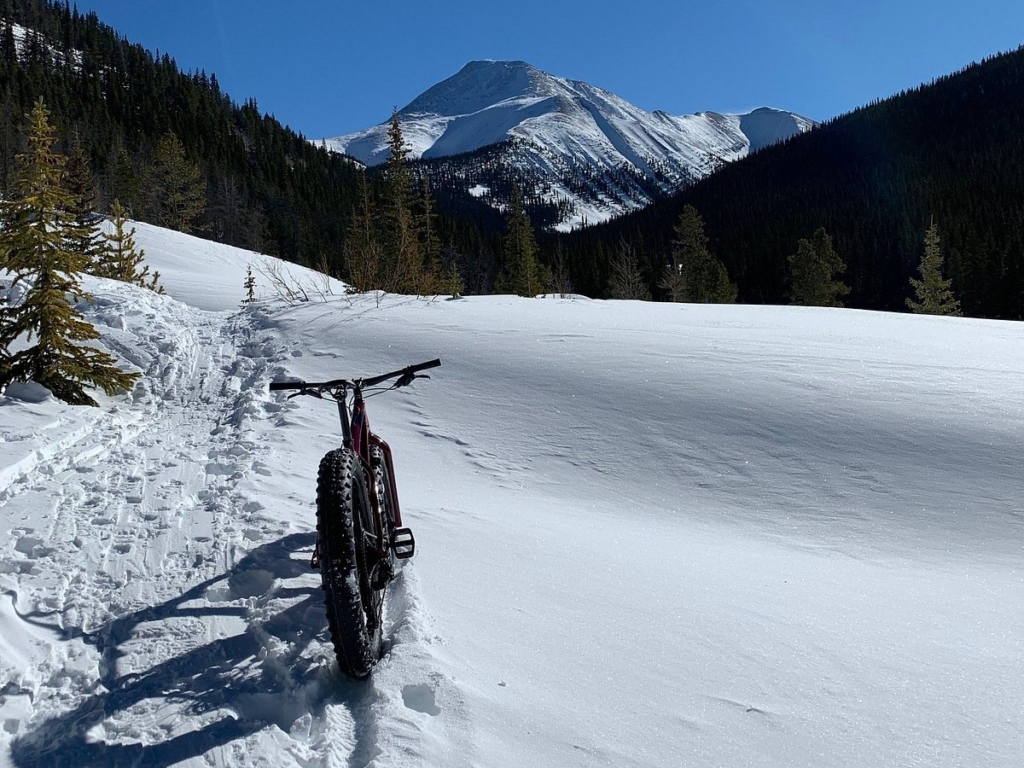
[346,543]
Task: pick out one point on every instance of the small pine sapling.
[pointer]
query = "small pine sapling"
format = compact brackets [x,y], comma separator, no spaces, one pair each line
[122,259]
[250,286]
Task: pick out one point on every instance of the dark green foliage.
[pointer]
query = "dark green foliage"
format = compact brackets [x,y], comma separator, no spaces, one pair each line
[392,241]
[34,249]
[362,248]
[176,187]
[693,274]
[934,295]
[250,286]
[83,231]
[120,258]
[521,273]
[814,271]
[264,186]
[872,178]
[400,257]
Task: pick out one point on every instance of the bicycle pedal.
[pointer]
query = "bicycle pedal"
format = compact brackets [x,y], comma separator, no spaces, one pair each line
[404,544]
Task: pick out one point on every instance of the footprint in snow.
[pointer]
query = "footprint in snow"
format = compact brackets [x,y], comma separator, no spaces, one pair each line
[420,698]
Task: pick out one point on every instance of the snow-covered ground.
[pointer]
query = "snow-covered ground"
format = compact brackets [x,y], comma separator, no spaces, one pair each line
[648,535]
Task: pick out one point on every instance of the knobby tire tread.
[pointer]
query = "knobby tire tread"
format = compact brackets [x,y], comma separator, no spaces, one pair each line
[342,501]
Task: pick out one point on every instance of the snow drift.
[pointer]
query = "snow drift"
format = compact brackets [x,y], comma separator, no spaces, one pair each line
[649,535]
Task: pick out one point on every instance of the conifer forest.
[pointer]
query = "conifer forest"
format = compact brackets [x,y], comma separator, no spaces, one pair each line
[171,148]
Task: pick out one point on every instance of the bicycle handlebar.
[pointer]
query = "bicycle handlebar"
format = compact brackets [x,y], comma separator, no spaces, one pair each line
[409,373]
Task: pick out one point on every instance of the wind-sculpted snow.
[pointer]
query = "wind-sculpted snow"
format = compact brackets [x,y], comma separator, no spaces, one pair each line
[647,535]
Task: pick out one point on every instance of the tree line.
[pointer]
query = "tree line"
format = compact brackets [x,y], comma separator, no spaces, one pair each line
[176,151]
[947,154]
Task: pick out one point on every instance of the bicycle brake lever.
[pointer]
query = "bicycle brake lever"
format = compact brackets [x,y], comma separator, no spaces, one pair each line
[311,392]
[408,379]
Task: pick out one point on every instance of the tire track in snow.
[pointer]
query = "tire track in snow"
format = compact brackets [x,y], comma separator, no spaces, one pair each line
[149,622]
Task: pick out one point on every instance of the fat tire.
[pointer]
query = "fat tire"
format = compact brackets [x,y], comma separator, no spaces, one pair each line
[342,516]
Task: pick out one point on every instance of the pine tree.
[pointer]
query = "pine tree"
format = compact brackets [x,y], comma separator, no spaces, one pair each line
[814,270]
[694,274]
[128,185]
[33,247]
[250,286]
[672,282]
[84,235]
[521,273]
[176,185]
[934,295]
[431,277]
[451,280]
[401,262]
[121,258]
[363,252]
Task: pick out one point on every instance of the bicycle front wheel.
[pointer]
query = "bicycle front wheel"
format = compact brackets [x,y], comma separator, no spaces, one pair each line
[347,547]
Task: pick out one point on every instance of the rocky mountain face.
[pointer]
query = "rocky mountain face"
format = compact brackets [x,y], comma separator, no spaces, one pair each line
[585,153]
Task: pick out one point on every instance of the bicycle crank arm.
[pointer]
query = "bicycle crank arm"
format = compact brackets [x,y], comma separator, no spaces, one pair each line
[404,545]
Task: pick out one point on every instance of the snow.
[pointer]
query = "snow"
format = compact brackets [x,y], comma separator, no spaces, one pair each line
[647,535]
[561,123]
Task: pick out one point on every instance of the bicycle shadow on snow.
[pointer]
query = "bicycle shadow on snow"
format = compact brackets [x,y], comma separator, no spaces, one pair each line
[232,675]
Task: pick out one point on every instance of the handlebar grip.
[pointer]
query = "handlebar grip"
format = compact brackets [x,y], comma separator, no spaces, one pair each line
[278,385]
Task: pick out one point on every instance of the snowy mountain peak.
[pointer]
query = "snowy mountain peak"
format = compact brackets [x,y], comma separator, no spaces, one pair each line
[476,86]
[588,152]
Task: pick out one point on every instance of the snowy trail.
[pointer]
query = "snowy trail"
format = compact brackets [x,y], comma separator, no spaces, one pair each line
[647,535]
[141,563]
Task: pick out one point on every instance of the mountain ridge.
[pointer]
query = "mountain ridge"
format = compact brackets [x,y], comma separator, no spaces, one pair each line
[566,129]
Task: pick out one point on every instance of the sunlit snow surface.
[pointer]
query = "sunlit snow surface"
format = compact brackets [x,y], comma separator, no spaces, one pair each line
[648,535]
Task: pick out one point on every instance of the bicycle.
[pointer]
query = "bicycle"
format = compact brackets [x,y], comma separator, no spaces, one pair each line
[360,536]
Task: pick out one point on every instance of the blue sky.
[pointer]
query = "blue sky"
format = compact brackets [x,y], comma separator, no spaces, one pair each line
[327,67]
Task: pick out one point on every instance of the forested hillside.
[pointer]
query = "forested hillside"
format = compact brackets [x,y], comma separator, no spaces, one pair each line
[951,152]
[175,149]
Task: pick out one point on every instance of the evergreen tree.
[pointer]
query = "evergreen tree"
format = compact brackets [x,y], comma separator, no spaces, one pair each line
[83,230]
[401,262]
[934,294]
[176,185]
[672,282]
[128,186]
[33,247]
[696,275]
[627,278]
[431,276]
[250,286]
[521,273]
[814,271]
[122,259]
[451,281]
[363,255]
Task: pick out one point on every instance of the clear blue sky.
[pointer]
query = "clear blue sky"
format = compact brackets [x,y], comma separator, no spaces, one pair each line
[327,67]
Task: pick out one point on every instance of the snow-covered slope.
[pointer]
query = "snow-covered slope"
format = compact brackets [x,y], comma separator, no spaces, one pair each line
[648,535]
[563,131]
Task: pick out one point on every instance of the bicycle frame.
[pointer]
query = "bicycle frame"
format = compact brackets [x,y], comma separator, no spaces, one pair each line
[357,437]
[359,524]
